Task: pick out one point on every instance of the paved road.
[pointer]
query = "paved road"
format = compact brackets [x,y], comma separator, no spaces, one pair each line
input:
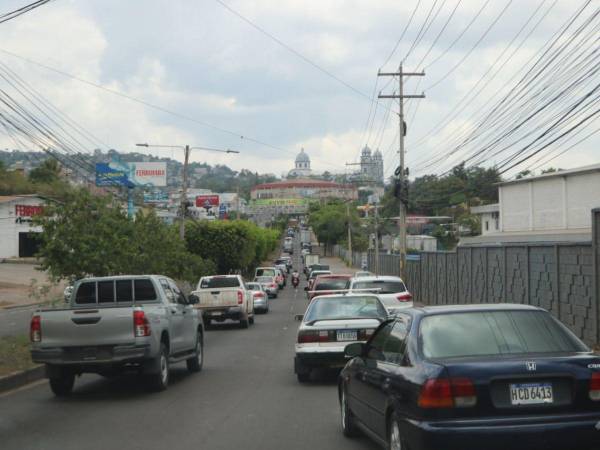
[246,397]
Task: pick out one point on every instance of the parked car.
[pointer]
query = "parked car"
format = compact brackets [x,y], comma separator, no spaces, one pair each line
[114,324]
[324,284]
[280,277]
[259,296]
[265,272]
[330,323]
[223,297]
[287,260]
[270,284]
[473,377]
[316,266]
[314,274]
[283,267]
[391,290]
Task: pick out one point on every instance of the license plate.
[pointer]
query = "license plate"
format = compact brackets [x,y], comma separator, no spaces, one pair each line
[347,335]
[531,393]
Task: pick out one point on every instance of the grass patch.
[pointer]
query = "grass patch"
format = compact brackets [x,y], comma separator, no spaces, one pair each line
[14,354]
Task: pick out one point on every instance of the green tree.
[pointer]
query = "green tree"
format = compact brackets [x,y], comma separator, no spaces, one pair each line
[47,172]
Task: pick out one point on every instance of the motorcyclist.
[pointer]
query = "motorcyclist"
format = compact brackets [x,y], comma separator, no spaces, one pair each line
[295,278]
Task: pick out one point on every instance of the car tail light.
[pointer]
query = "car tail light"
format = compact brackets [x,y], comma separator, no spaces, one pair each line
[595,387]
[404,297]
[259,295]
[309,336]
[273,285]
[240,296]
[141,326]
[447,393]
[35,329]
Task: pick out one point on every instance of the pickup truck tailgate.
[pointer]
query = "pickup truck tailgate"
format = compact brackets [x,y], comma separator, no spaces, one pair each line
[93,326]
[218,297]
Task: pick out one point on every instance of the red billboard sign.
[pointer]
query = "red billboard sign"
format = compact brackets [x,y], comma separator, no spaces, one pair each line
[207,201]
[28,210]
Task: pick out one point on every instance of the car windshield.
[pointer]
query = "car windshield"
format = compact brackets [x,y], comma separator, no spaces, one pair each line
[382,286]
[345,307]
[494,333]
[331,284]
[265,272]
[264,279]
[254,286]
[219,282]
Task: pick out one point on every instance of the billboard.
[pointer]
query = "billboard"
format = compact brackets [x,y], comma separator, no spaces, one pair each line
[207,201]
[131,174]
[156,197]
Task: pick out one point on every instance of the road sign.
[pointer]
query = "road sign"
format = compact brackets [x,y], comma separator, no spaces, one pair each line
[207,201]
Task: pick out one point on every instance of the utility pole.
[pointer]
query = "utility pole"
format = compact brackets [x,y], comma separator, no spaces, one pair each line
[184,188]
[401,172]
[377,238]
[349,234]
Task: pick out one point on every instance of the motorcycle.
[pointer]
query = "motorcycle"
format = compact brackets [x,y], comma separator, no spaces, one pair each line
[295,279]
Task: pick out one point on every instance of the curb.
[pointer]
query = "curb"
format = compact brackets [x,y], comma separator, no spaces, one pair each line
[27,305]
[18,379]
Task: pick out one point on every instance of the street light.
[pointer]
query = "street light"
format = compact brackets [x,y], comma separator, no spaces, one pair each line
[187,149]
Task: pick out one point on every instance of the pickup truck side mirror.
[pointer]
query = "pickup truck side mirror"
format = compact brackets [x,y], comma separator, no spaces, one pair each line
[299,317]
[193,299]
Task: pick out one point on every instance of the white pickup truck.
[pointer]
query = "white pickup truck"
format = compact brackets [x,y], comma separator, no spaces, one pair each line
[223,297]
[142,323]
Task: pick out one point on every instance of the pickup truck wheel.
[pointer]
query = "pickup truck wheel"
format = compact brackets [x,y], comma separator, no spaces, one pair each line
[62,385]
[194,364]
[303,377]
[244,322]
[159,380]
[251,320]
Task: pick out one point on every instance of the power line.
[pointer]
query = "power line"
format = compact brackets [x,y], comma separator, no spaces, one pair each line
[401,36]
[24,9]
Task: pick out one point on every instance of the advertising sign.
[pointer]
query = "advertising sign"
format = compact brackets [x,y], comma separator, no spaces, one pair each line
[207,201]
[156,197]
[131,174]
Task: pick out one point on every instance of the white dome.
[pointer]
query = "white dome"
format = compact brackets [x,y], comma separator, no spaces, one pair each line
[302,157]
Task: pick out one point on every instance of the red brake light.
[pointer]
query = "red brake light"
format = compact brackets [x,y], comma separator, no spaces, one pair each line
[447,393]
[240,296]
[305,337]
[595,387]
[404,297]
[35,329]
[141,326]
[259,295]
[273,285]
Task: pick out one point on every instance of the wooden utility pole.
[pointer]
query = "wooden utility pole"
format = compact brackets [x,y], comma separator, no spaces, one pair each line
[184,188]
[349,233]
[401,171]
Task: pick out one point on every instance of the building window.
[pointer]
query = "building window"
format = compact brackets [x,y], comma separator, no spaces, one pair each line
[487,225]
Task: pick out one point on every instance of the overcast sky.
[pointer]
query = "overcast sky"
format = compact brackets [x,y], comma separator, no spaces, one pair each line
[198,59]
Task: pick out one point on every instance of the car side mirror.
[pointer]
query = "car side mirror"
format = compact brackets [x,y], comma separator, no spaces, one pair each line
[355,349]
[299,317]
[193,299]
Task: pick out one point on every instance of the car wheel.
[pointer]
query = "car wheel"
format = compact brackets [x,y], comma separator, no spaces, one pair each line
[348,426]
[194,364]
[159,381]
[63,384]
[244,322]
[251,319]
[303,377]
[395,439]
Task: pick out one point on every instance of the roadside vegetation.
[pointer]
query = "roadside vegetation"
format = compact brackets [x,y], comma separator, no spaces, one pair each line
[14,354]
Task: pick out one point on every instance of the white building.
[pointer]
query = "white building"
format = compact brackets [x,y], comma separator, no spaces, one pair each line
[489,217]
[553,207]
[17,234]
[302,166]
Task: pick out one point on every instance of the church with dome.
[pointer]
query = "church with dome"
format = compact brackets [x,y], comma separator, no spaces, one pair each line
[302,166]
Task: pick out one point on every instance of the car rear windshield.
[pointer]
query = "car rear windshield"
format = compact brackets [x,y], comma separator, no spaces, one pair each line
[264,279]
[344,307]
[254,286]
[495,333]
[219,282]
[320,267]
[265,272]
[382,286]
[332,284]
[143,289]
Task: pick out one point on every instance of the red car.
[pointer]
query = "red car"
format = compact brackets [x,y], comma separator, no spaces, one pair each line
[327,284]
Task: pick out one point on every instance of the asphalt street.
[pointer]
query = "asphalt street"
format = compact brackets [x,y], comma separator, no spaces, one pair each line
[247,396]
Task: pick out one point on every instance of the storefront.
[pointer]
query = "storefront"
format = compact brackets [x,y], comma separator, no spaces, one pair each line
[18,236]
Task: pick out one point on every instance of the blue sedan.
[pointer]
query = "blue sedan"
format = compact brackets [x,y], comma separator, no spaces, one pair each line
[472,377]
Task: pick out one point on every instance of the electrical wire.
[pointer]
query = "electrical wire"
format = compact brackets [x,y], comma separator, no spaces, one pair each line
[25,9]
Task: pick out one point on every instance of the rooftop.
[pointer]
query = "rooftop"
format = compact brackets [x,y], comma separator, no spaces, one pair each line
[561,173]
[495,207]
[301,183]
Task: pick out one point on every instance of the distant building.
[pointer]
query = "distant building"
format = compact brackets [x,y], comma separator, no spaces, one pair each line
[489,216]
[302,166]
[294,196]
[17,233]
[371,168]
[553,207]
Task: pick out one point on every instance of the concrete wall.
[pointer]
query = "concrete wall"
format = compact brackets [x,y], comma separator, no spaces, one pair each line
[562,278]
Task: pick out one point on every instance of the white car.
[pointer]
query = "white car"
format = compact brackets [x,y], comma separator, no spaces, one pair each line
[363,273]
[331,322]
[391,291]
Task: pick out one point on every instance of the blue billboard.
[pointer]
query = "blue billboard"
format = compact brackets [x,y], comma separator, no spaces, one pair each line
[109,175]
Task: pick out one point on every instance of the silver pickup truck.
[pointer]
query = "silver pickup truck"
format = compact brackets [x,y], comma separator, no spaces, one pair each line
[114,324]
